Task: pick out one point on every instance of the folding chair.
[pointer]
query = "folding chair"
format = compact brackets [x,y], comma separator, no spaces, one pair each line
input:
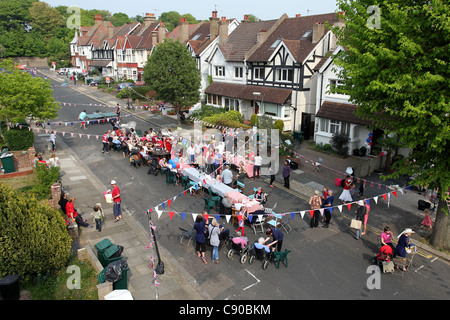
[195,188]
[318,166]
[285,224]
[186,235]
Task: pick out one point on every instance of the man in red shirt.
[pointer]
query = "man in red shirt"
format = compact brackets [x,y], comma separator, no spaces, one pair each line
[117,200]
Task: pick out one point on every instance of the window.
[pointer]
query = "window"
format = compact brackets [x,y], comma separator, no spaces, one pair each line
[334,126]
[238,72]
[220,71]
[284,75]
[334,83]
[258,73]
[232,104]
[275,44]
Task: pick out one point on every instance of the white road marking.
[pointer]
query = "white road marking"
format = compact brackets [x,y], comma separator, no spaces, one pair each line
[257,280]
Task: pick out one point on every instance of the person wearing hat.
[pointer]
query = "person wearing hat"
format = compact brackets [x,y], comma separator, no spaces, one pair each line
[403,242]
[117,201]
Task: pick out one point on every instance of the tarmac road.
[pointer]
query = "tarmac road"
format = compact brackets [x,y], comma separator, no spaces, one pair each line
[323,263]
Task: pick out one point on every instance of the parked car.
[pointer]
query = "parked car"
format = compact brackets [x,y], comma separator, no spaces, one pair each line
[125,84]
[96,81]
[62,71]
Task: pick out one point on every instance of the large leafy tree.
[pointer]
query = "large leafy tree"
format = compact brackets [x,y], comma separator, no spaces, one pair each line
[23,96]
[172,73]
[396,69]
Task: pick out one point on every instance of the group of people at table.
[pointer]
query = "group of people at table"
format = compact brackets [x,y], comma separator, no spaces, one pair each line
[206,164]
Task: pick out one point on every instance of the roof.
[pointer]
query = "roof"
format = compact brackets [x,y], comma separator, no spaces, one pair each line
[241,91]
[242,39]
[341,111]
[292,30]
[199,38]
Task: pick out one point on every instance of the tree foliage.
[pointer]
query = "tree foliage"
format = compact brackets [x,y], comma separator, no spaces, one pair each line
[24,96]
[172,73]
[33,237]
[397,72]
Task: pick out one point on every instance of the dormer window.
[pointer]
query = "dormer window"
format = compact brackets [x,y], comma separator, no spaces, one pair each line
[275,44]
[306,34]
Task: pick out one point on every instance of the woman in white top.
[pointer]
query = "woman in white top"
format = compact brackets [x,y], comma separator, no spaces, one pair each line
[53,161]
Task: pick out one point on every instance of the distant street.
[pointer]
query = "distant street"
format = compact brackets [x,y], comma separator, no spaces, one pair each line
[323,263]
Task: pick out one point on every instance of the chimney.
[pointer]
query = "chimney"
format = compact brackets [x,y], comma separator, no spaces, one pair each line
[161,32]
[298,15]
[318,31]
[149,19]
[223,30]
[213,25]
[261,36]
[110,31]
[98,19]
[154,37]
[184,30]
[245,18]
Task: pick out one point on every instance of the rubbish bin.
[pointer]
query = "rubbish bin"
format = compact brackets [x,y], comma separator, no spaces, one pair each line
[298,135]
[102,245]
[9,287]
[117,273]
[109,255]
[7,161]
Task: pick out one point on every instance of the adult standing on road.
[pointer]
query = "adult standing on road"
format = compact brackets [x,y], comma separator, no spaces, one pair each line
[214,233]
[105,142]
[117,201]
[227,176]
[328,206]
[286,174]
[200,238]
[316,203]
[53,140]
[81,118]
[360,213]
[257,166]
[277,236]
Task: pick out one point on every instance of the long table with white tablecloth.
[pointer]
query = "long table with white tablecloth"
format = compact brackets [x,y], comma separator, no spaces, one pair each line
[221,189]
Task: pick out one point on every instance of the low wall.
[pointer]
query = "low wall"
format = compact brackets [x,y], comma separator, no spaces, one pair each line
[371,164]
[23,163]
[31,61]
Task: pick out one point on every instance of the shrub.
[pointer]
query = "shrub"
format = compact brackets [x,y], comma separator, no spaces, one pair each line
[254,120]
[339,143]
[46,177]
[279,124]
[33,236]
[18,139]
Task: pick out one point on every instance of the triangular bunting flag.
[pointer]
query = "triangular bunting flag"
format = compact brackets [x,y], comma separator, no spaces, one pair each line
[171,213]
[183,215]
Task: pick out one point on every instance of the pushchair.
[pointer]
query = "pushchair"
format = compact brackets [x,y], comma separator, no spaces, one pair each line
[384,259]
[239,245]
[154,167]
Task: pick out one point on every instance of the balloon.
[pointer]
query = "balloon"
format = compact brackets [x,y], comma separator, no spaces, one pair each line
[178,166]
[368,140]
[176,160]
[171,161]
[371,134]
[174,165]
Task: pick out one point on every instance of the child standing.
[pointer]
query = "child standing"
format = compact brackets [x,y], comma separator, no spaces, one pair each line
[98,216]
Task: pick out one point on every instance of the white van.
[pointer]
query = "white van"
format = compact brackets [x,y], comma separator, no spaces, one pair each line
[76,70]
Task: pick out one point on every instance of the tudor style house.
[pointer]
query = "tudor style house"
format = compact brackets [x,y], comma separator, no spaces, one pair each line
[276,60]
[119,52]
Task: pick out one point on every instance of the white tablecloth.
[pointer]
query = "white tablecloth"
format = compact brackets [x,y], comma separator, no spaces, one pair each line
[216,186]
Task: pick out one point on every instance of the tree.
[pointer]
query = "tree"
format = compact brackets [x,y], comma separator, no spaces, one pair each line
[33,236]
[395,68]
[24,96]
[45,19]
[172,73]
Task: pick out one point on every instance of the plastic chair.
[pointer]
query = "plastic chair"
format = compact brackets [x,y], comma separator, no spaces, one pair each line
[171,178]
[209,203]
[217,199]
[184,181]
[240,186]
[195,188]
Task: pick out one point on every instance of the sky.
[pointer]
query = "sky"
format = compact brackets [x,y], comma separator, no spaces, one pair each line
[202,9]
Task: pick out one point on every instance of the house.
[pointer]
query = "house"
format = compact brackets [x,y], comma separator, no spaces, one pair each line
[119,52]
[203,39]
[279,58]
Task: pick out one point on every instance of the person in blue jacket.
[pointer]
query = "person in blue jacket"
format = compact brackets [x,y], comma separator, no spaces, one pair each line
[277,236]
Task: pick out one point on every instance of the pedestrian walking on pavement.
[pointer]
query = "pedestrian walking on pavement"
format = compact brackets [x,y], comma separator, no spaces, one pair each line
[81,117]
[360,213]
[316,203]
[53,140]
[117,201]
[286,174]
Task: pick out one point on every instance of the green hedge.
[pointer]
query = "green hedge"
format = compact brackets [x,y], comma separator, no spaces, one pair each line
[34,239]
[18,139]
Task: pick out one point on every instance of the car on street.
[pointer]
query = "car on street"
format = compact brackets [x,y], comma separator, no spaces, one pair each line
[62,71]
[125,84]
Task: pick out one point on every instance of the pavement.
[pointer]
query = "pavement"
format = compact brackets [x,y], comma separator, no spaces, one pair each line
[176,283]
